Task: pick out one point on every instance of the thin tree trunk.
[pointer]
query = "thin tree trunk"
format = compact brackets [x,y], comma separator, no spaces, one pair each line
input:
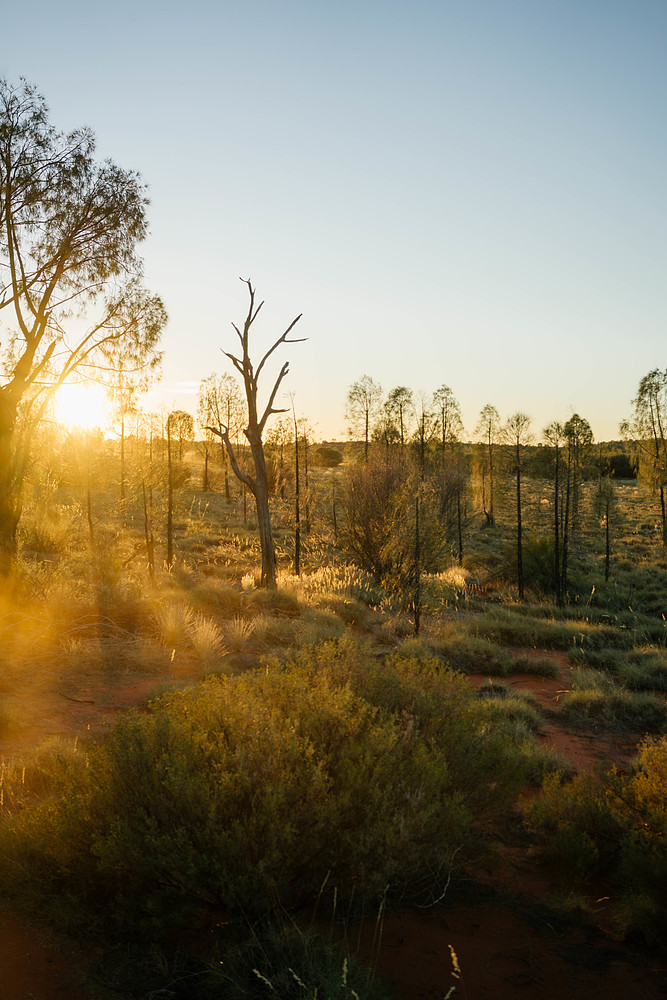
[519,539]
[89,504]
[607,542]
[335,519]
[122,458]
[148,535]
[305,469]
[170,503]
[566,522]
[297,499]
[459,527]
[557,587]
[205,478]
[417,569]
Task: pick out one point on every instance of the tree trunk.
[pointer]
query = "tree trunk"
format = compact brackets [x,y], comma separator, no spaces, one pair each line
[557,586]
[519,540]
[492,516]
[459,528]
[10,489]
[417,571]
[297,504]
[305,470]
[566,522]
[122,459]
[263,514]
[607,550]
[148,535]
[170,503]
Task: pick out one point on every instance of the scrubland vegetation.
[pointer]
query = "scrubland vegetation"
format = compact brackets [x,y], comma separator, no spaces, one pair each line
[322,639]
[304,756]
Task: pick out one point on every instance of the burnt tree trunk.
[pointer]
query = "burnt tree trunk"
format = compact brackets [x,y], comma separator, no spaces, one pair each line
[257,484]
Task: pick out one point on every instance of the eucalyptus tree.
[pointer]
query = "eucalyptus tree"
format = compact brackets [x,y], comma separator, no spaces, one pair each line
[579,439]
[129,378]
[182,426]
[555,437]
[399,405]
[364,400]
[648,429]
[516,434]
[220,404]
[454,474]
[70,276]
[448,411]
[257,418]
[488,430]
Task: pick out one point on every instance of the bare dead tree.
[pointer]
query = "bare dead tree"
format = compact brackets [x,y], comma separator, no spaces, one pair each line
[258,485]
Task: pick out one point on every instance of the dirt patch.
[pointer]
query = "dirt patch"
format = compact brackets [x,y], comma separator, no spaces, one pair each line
[502,952]
[33,966]
[583,749]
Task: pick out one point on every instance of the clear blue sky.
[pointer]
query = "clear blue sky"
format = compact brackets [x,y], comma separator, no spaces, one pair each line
[471,194]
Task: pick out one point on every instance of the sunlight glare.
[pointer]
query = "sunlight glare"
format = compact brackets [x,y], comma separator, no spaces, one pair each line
[82,405]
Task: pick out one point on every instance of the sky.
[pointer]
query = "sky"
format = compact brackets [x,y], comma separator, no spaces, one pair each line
[470,194]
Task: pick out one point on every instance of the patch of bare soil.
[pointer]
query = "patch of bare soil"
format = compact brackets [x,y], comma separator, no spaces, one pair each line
[504,950]
[33,966]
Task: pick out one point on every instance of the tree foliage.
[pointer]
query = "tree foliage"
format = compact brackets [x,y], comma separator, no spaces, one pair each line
[364,399]
[648,429]
[71,295]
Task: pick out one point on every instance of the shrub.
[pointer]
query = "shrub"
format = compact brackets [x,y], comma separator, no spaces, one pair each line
[614,826]
[473,655]
[327,457]
[596,700]
[240,794]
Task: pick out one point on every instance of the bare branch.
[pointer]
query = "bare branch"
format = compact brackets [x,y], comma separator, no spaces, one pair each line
[282,340]
[235,361]
[269,406]
[244,477]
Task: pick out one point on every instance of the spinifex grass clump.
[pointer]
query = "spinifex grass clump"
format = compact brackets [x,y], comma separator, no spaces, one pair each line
[518,628]
[643,669]
[615,827]
[596,700]
[242,794]
[476,655]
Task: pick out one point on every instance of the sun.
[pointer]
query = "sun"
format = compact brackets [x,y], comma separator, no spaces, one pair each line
[81,405]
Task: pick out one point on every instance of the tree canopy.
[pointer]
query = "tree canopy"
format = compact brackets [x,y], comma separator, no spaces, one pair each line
[72,301]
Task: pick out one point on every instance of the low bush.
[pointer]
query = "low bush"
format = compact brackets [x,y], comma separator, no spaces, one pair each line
[473,655]
[612,826]
[596,700]
[241,794]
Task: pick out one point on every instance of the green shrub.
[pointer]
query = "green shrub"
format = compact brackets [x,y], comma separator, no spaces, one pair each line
[473,655]
[501,700]
[327,457]
[539,666]
[240,794]
[613,826]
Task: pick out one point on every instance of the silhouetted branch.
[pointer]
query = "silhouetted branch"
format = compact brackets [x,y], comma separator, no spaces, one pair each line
[243,476]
